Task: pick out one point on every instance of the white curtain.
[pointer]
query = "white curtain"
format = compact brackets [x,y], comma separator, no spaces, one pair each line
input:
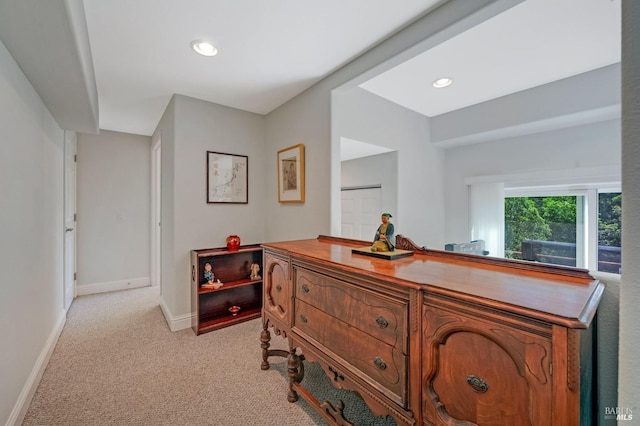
[486,202]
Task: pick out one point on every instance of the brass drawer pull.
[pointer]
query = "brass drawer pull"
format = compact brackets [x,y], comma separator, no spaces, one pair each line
[379,363]
[477,384]
[303,318]
[279,287]
[305,288]
[382,321]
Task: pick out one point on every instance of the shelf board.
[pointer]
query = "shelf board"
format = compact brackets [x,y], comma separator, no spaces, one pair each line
[228,285]
[224,251]
[225,321]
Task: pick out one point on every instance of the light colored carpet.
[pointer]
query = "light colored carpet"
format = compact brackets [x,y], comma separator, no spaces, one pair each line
[117,363]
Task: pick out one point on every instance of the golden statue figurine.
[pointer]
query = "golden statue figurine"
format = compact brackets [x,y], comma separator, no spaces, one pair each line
[384,239]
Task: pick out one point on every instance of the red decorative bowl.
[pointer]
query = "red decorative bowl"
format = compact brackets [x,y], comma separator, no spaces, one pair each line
[233,242]
[234,310]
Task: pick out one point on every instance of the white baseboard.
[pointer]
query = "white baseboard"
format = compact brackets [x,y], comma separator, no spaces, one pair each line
[175,323]
[113,286]
[29,389]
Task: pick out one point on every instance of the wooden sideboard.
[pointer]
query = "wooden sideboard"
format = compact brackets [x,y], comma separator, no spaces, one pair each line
[435,338]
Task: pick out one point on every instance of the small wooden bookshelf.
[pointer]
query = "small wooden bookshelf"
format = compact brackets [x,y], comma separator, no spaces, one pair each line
[240,297]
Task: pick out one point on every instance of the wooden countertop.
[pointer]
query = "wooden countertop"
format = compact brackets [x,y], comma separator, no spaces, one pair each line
[565,296]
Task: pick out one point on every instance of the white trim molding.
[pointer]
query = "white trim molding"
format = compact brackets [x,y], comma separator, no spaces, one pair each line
[580,177]
[85,289]
[175,323]
[31,385]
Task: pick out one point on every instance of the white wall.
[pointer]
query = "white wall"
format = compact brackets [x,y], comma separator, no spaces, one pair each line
[166,132]
[581,99]
[361,115]
[380,169]
[630,288]
[305,120]
[595,146]
[113,205]
[568,129]
[308,118]
[31,246]
[191,127]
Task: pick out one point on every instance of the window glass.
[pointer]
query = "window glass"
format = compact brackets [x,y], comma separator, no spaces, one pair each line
[609,232]
[543,229]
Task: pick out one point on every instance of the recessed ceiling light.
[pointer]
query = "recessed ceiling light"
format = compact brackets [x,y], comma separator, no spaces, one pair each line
[204,48]
[442,82]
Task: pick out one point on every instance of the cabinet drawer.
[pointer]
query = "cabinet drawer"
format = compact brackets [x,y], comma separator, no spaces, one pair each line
[382,363]
[381,317]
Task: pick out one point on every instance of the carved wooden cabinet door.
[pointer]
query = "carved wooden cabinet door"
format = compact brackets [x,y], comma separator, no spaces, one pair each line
[485,370]
[277,288]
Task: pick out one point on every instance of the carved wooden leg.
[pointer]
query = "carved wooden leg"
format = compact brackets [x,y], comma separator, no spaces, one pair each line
[300,368]
[293,362]
[265,338]
[336,413]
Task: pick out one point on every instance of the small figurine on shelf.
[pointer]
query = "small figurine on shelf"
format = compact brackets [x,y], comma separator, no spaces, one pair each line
[208,273]
[209,276]
[384,239]
[255,268]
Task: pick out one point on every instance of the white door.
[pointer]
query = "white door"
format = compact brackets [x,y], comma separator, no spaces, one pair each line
[69,218]
[360,212]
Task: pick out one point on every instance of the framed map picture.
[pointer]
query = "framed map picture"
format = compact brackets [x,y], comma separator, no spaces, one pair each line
[291,174]
[227,178]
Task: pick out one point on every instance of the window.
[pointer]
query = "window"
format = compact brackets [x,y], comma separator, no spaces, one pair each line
[544,229]
[610,232]
[572,228]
